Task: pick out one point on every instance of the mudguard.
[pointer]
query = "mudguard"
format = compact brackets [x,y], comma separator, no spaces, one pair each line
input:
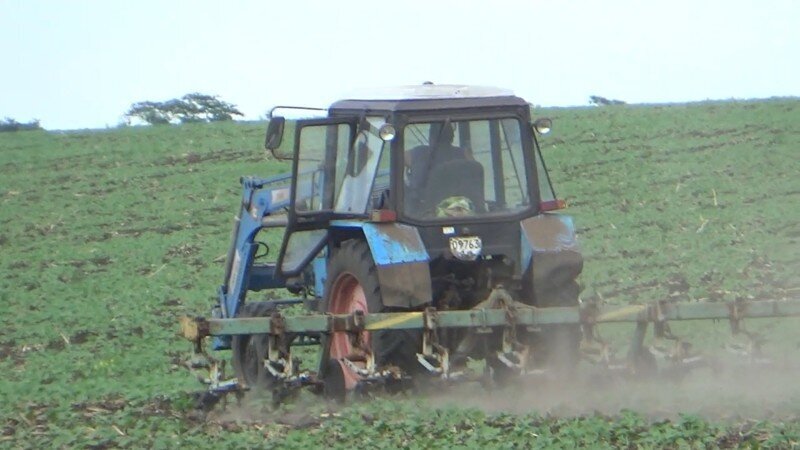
[401,261]
[550,249]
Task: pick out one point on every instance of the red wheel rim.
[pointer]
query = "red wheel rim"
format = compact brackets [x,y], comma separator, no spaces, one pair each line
[347,296]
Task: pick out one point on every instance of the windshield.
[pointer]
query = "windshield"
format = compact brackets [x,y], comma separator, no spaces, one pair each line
[464,168]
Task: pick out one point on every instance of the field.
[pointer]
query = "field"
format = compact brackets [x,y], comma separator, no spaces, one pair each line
[108,236]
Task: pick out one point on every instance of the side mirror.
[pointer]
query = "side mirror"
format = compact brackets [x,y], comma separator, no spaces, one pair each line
[543,125]
[274,133]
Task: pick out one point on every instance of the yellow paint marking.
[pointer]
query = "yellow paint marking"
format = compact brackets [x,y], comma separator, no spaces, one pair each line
[620,313]
[400,318]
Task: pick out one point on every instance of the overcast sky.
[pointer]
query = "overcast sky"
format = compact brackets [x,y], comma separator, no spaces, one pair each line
[80,64]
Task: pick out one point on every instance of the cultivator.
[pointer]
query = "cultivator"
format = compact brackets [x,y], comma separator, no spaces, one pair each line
[419,232]
[498,316]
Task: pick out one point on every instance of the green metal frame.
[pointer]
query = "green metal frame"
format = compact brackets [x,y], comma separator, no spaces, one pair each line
[499,312]
[515,315]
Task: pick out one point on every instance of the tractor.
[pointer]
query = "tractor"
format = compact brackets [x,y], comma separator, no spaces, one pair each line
[420,236]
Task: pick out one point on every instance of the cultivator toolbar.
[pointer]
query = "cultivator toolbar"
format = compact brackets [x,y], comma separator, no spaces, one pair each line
[499,318]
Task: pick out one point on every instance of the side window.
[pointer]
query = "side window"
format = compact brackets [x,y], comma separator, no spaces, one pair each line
[515,177]
[317,170]
[545,187]
[299,247]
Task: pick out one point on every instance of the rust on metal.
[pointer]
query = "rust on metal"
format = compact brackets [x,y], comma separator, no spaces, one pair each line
[358,321]
[547,232]
[736,310]
[430,318]
[277,324]
[555,257]
[338,323]
[194,328]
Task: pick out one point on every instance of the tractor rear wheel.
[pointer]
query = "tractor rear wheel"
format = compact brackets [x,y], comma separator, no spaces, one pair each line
[250,350]
[352,285]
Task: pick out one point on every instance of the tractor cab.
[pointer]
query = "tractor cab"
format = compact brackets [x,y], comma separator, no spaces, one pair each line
[429,156]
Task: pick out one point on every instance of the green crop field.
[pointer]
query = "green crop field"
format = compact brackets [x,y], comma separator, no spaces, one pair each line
[108,236]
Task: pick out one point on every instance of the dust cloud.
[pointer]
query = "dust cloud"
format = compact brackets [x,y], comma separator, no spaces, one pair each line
[733,388]
[730,393]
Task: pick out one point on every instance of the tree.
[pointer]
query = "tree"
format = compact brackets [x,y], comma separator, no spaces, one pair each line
[602,101]
[194,107]
[9,124]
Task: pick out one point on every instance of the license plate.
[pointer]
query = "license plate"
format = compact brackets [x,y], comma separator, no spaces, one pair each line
[466,247]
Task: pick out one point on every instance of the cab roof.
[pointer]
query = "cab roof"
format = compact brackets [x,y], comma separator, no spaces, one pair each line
[428,97]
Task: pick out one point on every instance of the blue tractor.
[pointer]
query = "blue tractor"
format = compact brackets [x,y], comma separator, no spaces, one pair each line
[407,212]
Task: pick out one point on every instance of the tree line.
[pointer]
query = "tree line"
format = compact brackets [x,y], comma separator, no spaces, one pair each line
[8,124]
[191,108]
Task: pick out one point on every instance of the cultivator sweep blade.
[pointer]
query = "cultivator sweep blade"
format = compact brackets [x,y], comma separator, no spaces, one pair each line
[499,315]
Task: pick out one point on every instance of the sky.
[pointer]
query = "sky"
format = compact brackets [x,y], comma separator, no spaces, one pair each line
[81,63]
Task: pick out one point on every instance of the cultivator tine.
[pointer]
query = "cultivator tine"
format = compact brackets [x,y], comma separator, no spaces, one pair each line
[668,354]
[361,361]
[669,347]
[675,353]
[434,356]
[512,353]
[361,351]
[593,347]
[641,360]
[208,370]
[287,378]
[751,348]
[279,361]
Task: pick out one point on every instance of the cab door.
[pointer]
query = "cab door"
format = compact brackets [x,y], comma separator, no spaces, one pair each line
[320,149]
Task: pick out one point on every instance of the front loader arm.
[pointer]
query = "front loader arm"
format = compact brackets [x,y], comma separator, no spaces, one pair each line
[265,202]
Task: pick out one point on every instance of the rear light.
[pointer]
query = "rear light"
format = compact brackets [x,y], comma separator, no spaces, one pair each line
[552,205]
[383,215]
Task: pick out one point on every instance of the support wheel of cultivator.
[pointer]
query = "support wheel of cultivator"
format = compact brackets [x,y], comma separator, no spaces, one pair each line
[352,285]
[250,350]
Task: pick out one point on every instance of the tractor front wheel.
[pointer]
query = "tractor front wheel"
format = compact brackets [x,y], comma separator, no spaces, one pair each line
[250,350]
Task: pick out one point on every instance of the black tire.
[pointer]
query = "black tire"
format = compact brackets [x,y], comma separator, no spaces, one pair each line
[250,350]
[351,264]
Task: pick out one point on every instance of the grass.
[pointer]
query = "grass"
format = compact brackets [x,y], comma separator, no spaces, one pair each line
[106,237]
